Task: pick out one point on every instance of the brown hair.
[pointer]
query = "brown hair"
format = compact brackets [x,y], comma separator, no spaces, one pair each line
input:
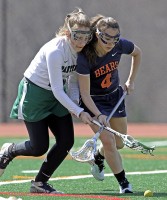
[76,17]
[101,23]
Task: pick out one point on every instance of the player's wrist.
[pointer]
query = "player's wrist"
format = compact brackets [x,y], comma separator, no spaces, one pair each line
[80,114]
[99,115]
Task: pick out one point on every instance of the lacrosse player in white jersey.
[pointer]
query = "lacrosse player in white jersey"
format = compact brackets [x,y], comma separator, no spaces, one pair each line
[47,96]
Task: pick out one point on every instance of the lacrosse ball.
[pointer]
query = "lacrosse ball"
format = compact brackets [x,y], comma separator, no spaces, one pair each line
[148,193]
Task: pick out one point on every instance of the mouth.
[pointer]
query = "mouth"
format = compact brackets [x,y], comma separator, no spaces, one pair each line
[109,48]
[79,47]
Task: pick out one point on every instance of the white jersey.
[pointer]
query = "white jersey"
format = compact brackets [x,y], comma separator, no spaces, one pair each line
[53,68]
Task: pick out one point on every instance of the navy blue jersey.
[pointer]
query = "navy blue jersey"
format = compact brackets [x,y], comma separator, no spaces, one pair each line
[104,77]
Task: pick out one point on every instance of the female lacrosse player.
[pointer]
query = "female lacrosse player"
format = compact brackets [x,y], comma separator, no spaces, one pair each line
[97,69]
[46,95]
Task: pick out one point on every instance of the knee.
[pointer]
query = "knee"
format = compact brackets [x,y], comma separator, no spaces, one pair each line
[40,150]
[69,145]
[120,145]
[66,145]
[108,141]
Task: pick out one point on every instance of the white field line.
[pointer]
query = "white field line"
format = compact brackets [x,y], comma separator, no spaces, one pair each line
[154,143]
[85,176]
[150,144]
[157,143]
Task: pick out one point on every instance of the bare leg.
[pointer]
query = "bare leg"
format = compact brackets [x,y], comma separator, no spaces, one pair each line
[109,151]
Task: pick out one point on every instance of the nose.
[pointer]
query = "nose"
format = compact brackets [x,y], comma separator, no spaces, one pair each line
[82,43]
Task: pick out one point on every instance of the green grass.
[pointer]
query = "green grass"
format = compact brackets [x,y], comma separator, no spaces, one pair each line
[133,162]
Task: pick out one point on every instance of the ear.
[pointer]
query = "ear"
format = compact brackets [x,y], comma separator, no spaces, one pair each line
[67,33]
[97,35]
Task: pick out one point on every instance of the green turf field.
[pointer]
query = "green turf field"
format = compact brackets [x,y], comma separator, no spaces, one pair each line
[143,171]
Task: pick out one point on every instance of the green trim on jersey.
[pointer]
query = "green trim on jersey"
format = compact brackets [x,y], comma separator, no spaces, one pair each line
[34,103]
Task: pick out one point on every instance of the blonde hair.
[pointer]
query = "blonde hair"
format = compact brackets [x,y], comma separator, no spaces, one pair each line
[76,17]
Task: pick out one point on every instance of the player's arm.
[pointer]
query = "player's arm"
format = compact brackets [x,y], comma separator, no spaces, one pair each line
[54,63]
[135,63]
[84,86]
[73,88]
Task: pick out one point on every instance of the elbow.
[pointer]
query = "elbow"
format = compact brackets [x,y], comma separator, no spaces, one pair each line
[138,52]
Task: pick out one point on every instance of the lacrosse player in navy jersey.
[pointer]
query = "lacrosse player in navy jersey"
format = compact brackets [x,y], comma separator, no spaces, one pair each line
[47,96]
[97,68]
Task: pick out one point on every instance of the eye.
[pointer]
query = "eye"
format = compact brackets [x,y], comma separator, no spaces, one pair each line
[107,39]
[79,38]
[75,36]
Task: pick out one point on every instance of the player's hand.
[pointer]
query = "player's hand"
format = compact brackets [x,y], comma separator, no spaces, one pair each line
[103,120]
[129,86]
[86,118]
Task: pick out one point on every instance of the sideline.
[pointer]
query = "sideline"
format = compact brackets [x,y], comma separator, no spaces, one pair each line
[152,130]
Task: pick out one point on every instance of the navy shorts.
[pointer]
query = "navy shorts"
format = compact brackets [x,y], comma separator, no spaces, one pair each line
[106,103]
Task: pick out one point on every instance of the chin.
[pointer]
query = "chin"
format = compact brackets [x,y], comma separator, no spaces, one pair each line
[108,50]
[79,49]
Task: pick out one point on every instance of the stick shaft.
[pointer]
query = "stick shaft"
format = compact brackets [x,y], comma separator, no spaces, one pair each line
[116,106]
[141,145]
[96,136]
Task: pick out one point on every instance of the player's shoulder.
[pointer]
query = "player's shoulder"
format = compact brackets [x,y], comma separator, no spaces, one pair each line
[57,42]
[124,41]
[124,44]
[56,45]
[82,58]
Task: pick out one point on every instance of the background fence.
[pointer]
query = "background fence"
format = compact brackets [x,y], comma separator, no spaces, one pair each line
[25,25]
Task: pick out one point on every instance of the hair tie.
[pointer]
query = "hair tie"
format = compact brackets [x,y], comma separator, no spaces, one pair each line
[99,115]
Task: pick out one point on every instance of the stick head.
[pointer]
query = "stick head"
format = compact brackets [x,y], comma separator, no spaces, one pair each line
[86,152]
[143,148]
[130,142]
[148,150]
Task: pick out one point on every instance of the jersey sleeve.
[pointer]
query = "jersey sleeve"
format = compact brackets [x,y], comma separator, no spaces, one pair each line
[54,62]
[73,88]
[126,46]
[83,66]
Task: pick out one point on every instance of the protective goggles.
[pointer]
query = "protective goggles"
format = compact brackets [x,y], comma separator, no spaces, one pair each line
[106,38]
[80,35]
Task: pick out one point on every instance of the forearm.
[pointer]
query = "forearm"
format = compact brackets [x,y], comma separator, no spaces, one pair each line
[63,98]
[89,103]
[135,64]
[134,68]
[73,89]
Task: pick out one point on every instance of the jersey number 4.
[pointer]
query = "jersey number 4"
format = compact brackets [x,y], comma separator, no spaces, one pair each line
[106,81]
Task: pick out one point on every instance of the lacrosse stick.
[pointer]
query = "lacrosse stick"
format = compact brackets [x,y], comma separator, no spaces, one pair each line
[87,151]
[129,141]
